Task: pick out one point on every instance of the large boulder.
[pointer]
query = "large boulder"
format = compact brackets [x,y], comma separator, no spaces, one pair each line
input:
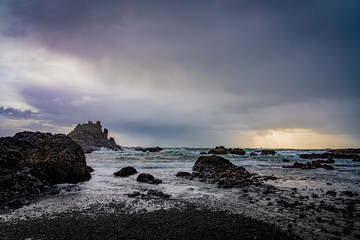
[216,169]
[30,162]
[91,137]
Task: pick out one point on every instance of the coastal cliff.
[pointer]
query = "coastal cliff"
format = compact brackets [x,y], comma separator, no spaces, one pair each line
[91,137]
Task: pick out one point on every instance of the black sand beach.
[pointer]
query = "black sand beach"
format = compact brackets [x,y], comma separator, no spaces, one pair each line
[188,223]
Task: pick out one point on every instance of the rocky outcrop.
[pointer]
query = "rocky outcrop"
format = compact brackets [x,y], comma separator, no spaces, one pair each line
[219,150]
[148,178]
[215,169]
[91,137]
[313,164]
[31,162]
[126,171]
[152,149]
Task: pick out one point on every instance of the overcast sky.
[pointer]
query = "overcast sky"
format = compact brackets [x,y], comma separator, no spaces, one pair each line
[184,73]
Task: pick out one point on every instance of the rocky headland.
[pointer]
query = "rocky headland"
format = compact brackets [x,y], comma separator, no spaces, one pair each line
[91,137]
[32,162]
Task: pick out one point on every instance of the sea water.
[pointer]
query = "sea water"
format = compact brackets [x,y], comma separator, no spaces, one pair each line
[104,188]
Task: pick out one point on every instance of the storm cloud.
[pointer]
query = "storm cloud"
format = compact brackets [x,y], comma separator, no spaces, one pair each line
[188,72]
[16,113]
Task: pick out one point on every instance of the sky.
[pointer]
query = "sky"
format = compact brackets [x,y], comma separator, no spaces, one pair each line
[256,73]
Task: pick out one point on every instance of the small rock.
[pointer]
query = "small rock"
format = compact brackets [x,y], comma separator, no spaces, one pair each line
[331,193]
[158,194]
[126,171]
[148,178]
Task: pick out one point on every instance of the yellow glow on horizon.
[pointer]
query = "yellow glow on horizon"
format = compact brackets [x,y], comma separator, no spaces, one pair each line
[299,138]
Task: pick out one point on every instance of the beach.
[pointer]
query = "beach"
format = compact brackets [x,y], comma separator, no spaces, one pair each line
[290,203]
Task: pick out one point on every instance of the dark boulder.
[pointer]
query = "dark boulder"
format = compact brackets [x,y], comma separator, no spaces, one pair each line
[285,160]
[253,154]
[216,169]
[30,162]
[91,137]
[148,178]
[236,151]
[126,171]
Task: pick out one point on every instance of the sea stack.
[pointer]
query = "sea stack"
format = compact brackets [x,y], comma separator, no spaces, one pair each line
[91,137]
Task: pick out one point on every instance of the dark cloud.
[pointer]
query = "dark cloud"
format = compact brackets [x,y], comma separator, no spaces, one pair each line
[261,64]
[14,113]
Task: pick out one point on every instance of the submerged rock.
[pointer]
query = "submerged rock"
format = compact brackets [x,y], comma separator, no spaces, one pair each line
[216,169]
[91,137]
[126,171]
[148,178]
[30,162]
[152,149]
[266,152]
[222,150]
[183,174]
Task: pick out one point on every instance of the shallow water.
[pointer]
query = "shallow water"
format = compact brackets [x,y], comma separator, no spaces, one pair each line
[302,188]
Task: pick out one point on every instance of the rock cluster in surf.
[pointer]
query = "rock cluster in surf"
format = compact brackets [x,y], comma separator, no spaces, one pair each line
[313,164]
[31,162]
[91,137]
[349,153]
[222,150]
[152,149]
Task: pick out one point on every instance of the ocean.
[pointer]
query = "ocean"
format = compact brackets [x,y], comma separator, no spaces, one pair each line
[300,199]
